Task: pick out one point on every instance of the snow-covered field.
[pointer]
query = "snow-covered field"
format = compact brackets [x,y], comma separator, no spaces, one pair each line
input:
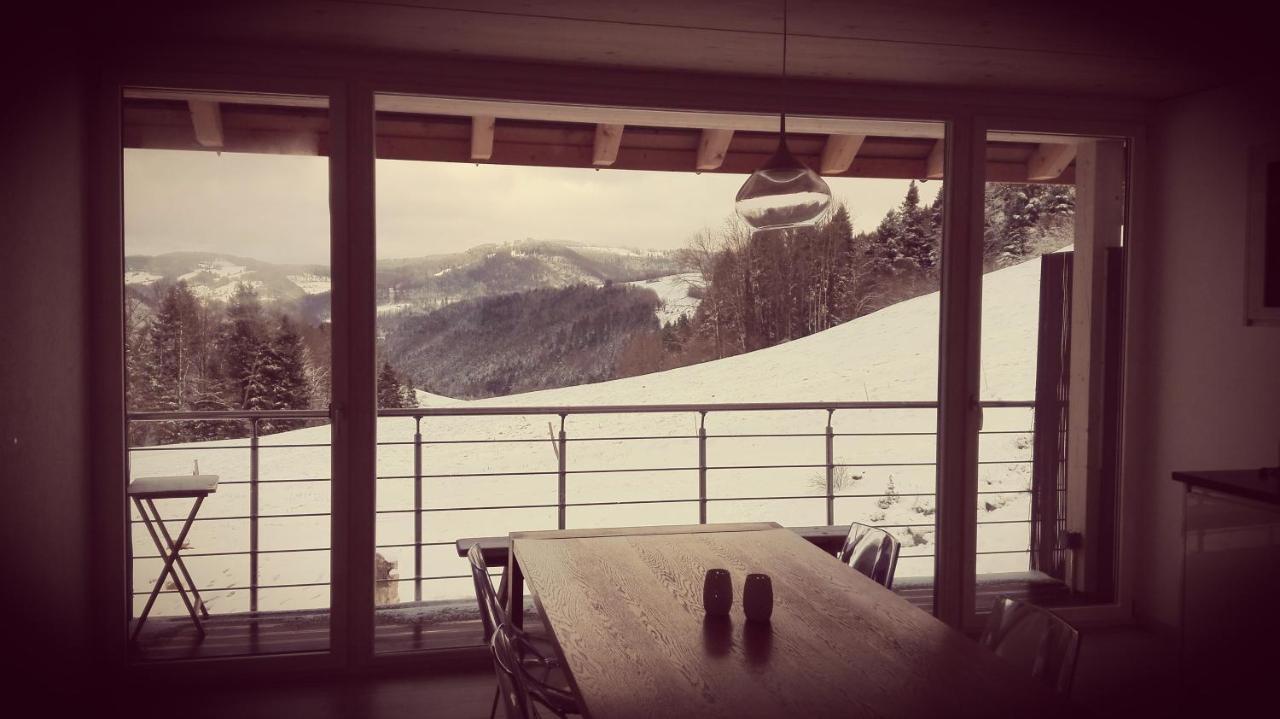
[312,284]
[673,295]
[890,355]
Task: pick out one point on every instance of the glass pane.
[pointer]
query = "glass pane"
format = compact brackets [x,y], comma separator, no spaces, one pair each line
[1043,345]
[227,338]
[523,263]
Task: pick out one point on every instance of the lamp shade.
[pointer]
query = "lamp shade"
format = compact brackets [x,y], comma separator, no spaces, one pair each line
[782,193]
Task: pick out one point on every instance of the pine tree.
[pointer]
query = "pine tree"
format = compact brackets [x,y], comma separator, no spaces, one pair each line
[241,348]
[284,374]
[168,361]
[391,394]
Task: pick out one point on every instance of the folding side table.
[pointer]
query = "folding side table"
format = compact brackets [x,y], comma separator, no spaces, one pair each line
[144,491]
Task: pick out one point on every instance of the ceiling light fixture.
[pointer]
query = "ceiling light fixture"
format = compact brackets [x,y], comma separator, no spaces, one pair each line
[784,192]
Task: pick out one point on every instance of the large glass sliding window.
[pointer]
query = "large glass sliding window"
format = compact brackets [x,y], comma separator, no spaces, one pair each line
[1052,318]
[570,319]
[227,339]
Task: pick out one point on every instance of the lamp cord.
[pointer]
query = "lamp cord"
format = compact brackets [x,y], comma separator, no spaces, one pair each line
[785,84]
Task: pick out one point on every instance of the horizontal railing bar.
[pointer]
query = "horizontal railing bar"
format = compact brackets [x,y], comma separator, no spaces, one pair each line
[273,481]
[215,590]
[237,553]
[162,415]
[581,504]
[649,408]
[240,517]
[187,448]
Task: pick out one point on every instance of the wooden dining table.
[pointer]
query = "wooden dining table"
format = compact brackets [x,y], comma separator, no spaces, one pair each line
[624,609]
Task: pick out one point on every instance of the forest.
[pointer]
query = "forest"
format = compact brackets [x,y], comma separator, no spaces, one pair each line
[760,289]
[522,341]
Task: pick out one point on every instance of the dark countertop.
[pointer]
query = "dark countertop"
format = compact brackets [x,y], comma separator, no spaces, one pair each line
[1262,485]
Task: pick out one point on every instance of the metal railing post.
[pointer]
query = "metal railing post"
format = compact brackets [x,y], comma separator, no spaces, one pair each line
[702,468]
[253,515]
[831,470]
[560,500]
[417,509]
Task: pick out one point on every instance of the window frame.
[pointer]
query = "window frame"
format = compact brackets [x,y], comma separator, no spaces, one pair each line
[351,86]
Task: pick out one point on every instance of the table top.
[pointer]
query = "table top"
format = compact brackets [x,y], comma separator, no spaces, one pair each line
[625,609]
[1262,485]
[173,486]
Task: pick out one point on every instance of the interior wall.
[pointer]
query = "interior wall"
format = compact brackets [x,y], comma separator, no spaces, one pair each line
[44,459]
[1207,392]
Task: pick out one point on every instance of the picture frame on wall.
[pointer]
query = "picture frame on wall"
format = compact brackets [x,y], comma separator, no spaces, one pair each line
[1262,250]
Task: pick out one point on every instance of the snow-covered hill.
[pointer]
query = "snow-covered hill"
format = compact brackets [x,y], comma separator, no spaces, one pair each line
[890,355]
[673,295]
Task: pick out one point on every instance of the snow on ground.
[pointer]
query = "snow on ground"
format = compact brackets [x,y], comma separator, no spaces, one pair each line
[311,284]
[140,277]
[216,268]
[673,295]
[889,355]
[392,308]
[228,290]
[428,399]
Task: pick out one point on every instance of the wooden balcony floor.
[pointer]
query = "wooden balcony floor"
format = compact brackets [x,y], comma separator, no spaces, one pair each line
[413,627]
[403,628]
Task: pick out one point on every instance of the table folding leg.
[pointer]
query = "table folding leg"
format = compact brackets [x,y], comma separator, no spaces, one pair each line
[170,549]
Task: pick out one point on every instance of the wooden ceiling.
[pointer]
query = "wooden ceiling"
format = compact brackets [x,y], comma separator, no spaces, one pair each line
[547,135]
[1081,47]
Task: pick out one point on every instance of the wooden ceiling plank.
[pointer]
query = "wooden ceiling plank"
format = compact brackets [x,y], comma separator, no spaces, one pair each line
[206,120]
[482,137]
[225,98]
[646,117]
[713,146]
[608,140]
[838,153]
[1049,160]
[935,166]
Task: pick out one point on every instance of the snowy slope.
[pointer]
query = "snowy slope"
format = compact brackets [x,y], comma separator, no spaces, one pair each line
[890,355]
[674,301]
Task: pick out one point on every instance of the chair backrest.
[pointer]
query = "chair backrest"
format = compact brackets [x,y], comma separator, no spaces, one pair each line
[512,692]
[871,551]
[491,612]
[1037,640]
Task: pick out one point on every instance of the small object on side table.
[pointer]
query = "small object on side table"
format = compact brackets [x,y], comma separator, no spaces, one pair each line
[717,593]
[757,598]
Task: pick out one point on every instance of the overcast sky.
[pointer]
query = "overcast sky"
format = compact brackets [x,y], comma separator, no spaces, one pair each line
[275,208]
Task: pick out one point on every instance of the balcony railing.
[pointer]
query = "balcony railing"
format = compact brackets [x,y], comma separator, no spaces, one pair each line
[562,442]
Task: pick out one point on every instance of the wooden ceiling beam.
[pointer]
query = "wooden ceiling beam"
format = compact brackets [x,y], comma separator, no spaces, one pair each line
[482,137]
[687,119]
[935,166]
[712,148]
[605,149]
[838,153]
[1049,160]
[206,120]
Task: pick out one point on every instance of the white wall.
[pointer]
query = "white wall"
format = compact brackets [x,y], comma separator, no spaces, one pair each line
[1205,388]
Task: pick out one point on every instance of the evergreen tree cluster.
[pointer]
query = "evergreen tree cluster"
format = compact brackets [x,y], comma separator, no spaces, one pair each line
[763,288]
[195,356]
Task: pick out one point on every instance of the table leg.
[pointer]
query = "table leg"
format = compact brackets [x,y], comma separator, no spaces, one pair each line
[515,589]
[170,554]
[182,566]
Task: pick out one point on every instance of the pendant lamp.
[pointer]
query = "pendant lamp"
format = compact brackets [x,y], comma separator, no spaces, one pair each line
[784,192]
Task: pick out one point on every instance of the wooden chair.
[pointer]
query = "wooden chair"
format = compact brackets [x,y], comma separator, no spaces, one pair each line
[1035,639]
[536,665]
[871,551]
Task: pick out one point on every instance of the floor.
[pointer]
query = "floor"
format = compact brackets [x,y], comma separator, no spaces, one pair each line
[1122,673]
[438,625]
